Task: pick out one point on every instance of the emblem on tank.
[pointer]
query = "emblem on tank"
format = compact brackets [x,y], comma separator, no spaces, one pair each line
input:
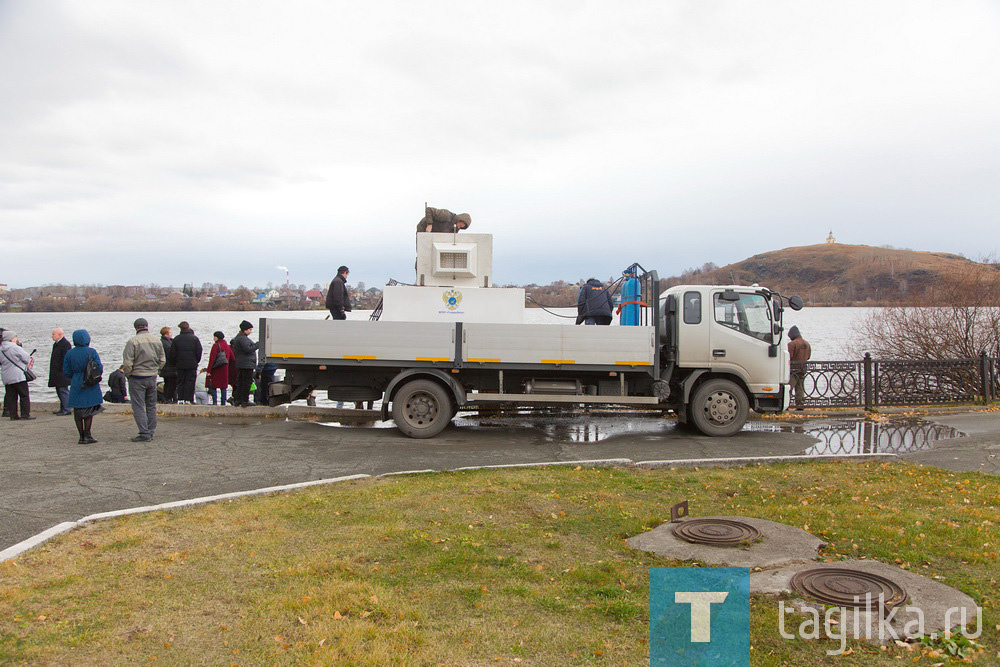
[452,298]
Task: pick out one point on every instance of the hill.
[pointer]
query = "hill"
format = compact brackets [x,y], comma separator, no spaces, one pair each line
[836,274]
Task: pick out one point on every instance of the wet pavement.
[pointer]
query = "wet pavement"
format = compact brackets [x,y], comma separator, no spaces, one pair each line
[46,478]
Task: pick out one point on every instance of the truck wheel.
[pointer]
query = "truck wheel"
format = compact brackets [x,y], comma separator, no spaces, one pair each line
[421,409]
[719,408]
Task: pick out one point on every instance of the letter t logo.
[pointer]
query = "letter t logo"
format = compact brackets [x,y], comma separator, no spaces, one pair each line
[701,612]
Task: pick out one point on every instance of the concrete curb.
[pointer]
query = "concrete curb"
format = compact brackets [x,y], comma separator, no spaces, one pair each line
[32,542]
[750,460]
[588,463]
[278,412]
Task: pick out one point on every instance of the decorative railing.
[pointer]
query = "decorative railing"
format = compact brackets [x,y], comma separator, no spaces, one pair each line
[871,382]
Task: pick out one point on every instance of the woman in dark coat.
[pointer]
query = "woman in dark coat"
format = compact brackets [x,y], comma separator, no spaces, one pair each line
[85,401]
[169,370]
[220,374]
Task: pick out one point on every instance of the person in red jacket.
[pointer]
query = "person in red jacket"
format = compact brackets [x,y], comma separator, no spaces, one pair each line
[220,358]
[799,352]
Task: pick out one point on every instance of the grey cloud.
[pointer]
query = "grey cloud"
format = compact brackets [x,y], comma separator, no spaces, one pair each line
[50,59]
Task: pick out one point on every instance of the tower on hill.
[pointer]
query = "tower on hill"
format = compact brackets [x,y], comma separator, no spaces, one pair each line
[830,238]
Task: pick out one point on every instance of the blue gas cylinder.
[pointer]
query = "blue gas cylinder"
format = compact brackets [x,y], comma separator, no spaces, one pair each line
[631,296]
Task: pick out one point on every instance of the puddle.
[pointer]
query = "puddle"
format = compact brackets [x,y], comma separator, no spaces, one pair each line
[842,436]
[377,423]
[857,436]
[572,428]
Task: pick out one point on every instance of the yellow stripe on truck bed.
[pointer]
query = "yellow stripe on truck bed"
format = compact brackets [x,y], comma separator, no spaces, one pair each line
[432,359]
[289,356]
[633,363]
[484,361]
[356,356]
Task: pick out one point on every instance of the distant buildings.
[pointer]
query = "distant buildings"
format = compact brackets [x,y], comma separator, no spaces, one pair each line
[153,297]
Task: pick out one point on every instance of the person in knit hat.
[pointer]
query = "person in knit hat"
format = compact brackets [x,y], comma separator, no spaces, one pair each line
[220,358]
[245,355]
[799,352]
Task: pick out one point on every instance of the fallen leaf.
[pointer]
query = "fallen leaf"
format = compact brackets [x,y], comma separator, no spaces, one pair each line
[337,616]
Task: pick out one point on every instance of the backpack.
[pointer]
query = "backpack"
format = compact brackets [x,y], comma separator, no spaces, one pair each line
[91,374]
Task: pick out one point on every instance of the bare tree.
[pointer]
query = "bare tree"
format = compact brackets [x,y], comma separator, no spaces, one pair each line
[957,319]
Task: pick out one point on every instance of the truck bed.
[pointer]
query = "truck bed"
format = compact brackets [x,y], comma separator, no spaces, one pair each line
[388,343]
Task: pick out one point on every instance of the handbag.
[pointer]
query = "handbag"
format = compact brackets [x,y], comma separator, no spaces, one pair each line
[91,374]
[221,359]
[29,374]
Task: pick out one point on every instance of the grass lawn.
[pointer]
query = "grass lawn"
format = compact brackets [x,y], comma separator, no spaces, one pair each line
[523,566]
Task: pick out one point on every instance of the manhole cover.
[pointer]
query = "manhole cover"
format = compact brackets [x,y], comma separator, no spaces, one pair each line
[717,532]
[848,588]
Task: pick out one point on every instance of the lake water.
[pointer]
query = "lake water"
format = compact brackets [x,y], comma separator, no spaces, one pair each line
[828,330]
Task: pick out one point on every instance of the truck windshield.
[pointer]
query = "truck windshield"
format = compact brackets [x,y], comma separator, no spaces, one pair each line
[749,315]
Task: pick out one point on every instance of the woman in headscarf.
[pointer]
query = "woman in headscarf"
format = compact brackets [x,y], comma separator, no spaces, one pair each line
[85,401]
[219,372]
[14,364]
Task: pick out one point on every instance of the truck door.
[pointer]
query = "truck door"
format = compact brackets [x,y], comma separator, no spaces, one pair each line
[740,337]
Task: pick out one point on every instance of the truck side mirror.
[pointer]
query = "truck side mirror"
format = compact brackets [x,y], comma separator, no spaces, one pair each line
[796,302]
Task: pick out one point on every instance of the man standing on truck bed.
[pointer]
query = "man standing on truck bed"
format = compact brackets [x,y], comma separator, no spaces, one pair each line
[338,298]
[443,220]
[799,352]
[594,305]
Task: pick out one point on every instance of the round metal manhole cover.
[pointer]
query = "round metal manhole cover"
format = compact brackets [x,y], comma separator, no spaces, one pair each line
[717,532]
[847,588]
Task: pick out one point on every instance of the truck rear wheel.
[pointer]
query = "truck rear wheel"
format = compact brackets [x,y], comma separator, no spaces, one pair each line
[422,408]
[719,408]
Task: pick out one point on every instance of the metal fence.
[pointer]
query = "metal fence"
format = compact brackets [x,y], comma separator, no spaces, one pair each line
[870,383]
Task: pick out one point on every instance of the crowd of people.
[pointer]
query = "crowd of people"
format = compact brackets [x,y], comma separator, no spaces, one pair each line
[154,369]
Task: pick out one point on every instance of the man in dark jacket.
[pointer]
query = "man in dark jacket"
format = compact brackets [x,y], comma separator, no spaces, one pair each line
[56,377]
[799,352]
[117,387]
[246,360]
[593,305]
[338,298]
[185,355]
[168,372]
[443,220]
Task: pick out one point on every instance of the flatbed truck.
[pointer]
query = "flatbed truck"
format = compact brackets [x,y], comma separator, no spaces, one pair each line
[708,353]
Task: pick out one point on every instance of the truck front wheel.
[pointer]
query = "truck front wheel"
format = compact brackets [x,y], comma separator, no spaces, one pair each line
[719,408]
[422,408]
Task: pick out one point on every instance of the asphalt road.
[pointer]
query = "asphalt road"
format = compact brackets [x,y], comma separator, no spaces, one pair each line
[46,478]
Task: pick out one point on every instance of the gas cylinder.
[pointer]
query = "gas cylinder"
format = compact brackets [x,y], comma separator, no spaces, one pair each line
[631,296]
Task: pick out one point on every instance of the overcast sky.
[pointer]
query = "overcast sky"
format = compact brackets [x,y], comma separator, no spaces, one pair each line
[212,141]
